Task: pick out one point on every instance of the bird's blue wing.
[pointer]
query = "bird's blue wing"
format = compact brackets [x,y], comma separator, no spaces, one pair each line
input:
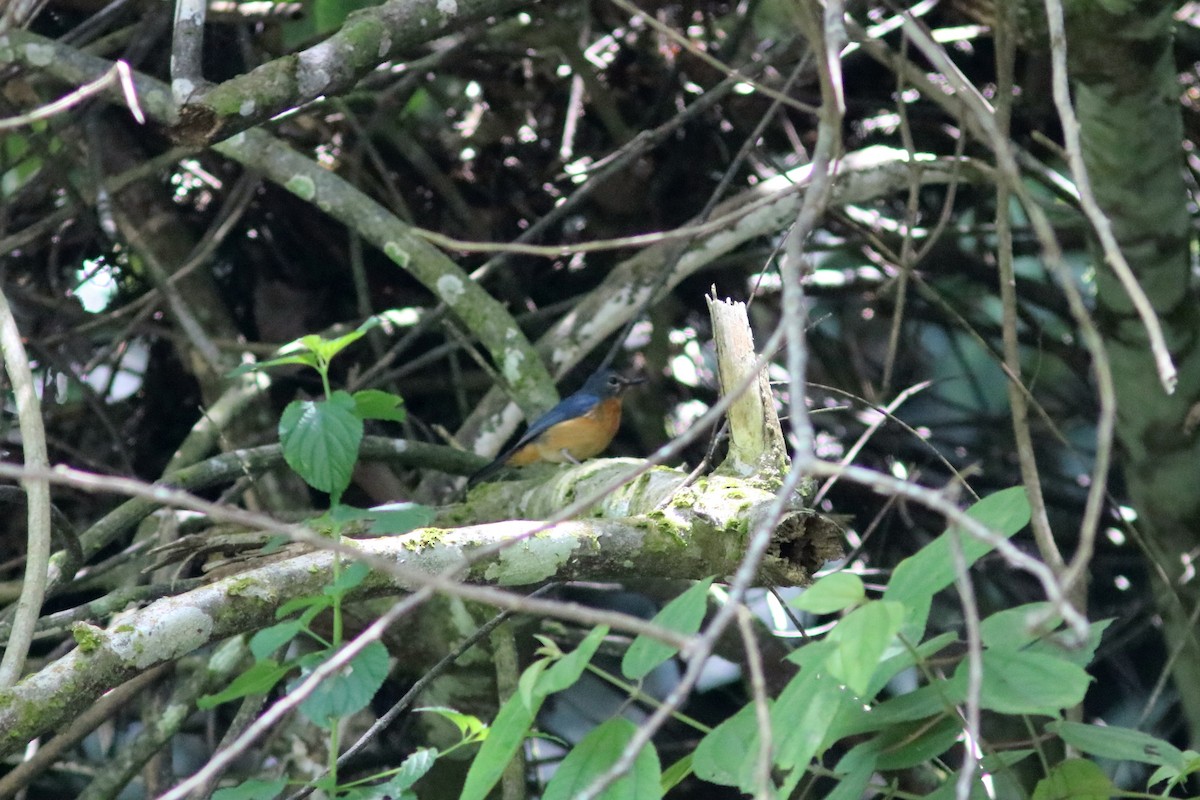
[574,406]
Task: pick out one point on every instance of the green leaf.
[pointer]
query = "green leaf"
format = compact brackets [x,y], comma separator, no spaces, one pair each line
[326,349]
[259,679]
[1002,760]
[527,683]
[1075,779]
[927,701]
[376,404]
[1024,682]
[306,359]
[268,640]
[1012,628]
[512,724]
[319,602]
[683,615]
[595,754]
[515,717]
[1119,744]
[470,727]
[949,790]
[673,775]
[341,514]
[855,770]
[397,787]
[805,710]
[726,755]
[899,658]
[925,573]
[351,577]
[320,440]
[859,641]
[905,746]
[398,518]
[565,671]
[1079,656]
[831,593]
[253,789]
[1174,775]
[347,691]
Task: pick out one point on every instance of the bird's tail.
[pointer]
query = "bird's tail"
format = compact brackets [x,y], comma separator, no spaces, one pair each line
[487,472]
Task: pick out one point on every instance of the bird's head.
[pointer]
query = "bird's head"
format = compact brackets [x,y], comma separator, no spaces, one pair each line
[609,383]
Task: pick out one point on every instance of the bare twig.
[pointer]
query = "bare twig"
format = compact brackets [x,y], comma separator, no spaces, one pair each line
[118,75]
[38,544]
[762,711]
[1087,199]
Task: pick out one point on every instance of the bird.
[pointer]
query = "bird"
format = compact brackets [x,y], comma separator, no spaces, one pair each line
[579,427]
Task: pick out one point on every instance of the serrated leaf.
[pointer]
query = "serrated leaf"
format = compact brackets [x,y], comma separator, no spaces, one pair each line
[349,690]
[859,641]
[377,404]
[259,679]
[1075,779]
[595,754]
[831,593]
[683,615]
[320,440]
[1119,744]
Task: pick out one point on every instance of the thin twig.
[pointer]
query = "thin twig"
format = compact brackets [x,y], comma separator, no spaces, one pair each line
[38,541]
[119,75]
[762,711]
[1167,373]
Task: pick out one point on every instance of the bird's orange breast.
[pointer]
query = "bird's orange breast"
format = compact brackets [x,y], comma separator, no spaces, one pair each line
[581,437]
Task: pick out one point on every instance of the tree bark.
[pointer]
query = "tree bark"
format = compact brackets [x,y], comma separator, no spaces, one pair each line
[1126,93]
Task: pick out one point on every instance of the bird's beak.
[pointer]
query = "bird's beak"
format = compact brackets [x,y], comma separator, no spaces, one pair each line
[631,380]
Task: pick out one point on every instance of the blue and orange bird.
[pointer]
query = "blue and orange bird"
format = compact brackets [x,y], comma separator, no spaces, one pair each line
[579,427]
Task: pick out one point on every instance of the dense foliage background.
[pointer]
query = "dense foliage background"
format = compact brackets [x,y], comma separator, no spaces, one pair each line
[965,332]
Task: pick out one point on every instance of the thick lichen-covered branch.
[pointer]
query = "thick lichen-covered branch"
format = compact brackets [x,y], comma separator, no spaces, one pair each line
[700,531]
